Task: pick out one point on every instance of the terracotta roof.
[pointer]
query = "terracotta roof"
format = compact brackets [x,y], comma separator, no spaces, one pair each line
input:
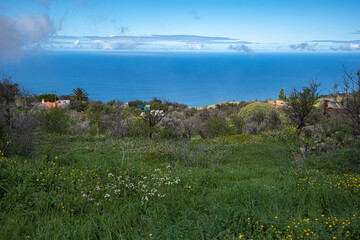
[51,104]
[278,103]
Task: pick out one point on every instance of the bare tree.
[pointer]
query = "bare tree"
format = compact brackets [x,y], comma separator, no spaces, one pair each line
[350,99]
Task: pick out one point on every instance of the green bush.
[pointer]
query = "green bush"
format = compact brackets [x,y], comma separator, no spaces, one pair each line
[257,117]
[138,128]
[55,120]
[256,108]
[49,97]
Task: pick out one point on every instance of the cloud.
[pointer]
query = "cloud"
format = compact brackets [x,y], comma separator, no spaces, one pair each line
[196,46]
[114,44]
[303,46]
[23,32]
[76,43]
[242,48]
[336,41]
[173,38]
[195,14]
[348,47]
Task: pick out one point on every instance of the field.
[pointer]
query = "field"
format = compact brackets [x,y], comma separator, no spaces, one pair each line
[238,186]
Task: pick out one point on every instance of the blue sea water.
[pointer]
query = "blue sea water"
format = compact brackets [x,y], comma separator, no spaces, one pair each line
[196,79]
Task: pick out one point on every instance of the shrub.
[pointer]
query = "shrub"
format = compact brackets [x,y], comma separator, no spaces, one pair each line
[118,124]
[212,123]
[138,128]
[78,106]
[171,127]
[96,123]
[257,117]
[55,120]
[256,107]
[20,136]
[136,103]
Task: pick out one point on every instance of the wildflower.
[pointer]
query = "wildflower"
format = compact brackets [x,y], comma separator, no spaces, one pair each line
[240,235]
[150,234]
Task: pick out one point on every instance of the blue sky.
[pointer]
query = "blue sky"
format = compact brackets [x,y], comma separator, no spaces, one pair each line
[247,26]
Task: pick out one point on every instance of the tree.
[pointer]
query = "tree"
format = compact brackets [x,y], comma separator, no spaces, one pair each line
[49,97]
[158,111]
[350,100]
[80,95]
[282,94]
[301,103]
[17,125]
[8,93]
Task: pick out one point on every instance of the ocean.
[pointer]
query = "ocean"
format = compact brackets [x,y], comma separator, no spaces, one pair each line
[196,79]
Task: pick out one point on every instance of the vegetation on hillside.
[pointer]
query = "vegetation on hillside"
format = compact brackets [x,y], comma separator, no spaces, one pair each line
[237,170]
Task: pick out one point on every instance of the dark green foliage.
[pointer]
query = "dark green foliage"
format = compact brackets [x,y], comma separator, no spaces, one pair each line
[8,92]
[282,95]
[344,160]
[48,97]
[212,123]
[138,128]
[80,95]
[78,106]
[55,120]
[301,103]
[136,103]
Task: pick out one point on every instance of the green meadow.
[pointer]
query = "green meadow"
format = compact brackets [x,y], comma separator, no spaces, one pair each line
[104,187]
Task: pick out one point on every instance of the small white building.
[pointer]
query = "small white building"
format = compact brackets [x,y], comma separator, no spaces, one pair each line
[63,102]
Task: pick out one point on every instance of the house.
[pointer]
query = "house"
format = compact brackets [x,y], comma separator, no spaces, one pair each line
[157,112]
[147,107]
[63,102]
[278,103]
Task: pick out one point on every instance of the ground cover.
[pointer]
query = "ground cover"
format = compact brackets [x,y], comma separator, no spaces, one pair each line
[110,188]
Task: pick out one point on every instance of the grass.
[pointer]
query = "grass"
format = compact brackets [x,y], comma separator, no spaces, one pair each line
[107,188]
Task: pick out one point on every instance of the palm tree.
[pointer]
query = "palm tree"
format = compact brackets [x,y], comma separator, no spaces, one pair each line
[80,94]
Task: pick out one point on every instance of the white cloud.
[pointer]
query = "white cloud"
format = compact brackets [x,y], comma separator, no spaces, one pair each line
[303,46]
[23,32]
[347,47]
[76,43]
[198,46]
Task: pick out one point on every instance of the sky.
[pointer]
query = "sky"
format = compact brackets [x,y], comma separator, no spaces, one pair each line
[246,26]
